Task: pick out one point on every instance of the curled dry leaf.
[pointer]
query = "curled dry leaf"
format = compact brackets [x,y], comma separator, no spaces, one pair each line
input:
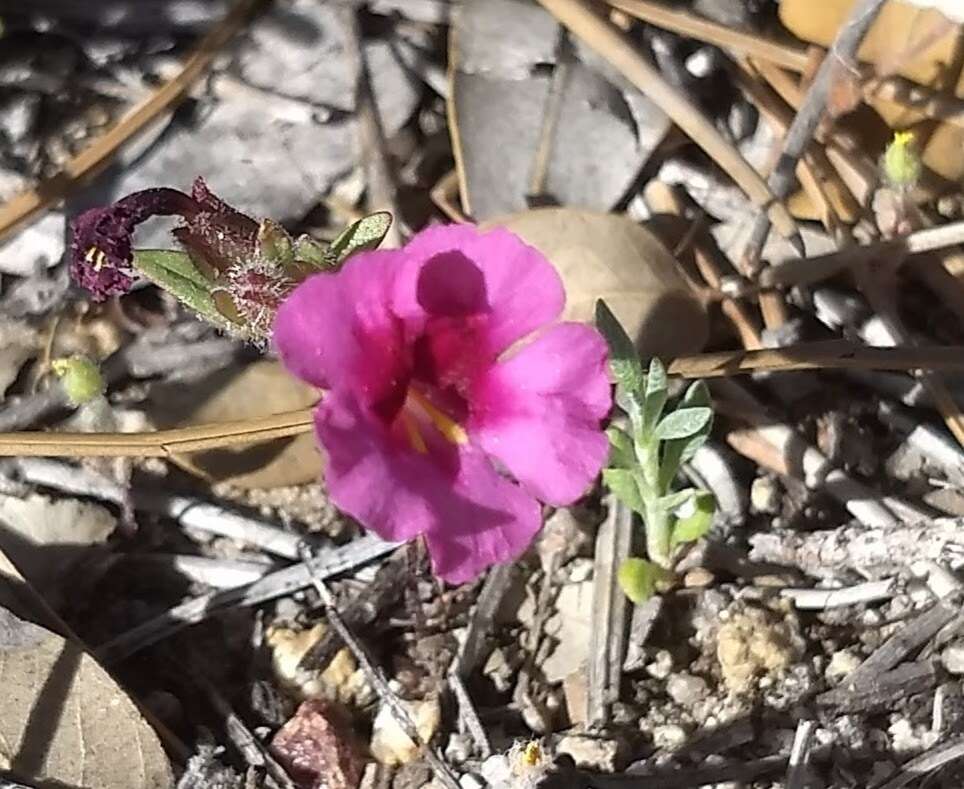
[63,720]
[608,256]
[258,389]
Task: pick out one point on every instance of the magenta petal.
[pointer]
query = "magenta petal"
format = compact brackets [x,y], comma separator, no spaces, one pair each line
[484,520]
[338,330]
[539,412]
[367,476]
[471,516]
[455,269]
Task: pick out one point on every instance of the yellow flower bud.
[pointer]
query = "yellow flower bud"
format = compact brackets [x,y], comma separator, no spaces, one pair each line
[901,163]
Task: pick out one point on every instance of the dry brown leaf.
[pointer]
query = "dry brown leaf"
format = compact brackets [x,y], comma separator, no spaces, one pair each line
[900,28]
[63,720]
[258,389]
[608,256]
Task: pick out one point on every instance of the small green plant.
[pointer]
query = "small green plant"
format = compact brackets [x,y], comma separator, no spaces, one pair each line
[645,459]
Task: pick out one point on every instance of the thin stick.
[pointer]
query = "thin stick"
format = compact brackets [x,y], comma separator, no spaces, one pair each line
[831,355]
[801,131]
[788,56]
[810,270]
[550,118]
[375,676]
[608,42]
[372,147]
[86,163]
[800,755]
[161,443]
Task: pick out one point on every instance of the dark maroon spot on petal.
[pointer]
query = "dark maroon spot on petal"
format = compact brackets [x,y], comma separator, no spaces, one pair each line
[450,284]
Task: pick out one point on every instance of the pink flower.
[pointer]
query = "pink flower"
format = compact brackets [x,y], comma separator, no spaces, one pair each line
[430,405]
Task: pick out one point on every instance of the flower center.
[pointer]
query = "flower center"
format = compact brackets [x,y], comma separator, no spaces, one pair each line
[418,411]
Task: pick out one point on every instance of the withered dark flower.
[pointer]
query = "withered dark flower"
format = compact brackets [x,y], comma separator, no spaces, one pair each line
[100,247]
[251,266]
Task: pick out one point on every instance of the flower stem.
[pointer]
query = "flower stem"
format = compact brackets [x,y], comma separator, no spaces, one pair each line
[656,518]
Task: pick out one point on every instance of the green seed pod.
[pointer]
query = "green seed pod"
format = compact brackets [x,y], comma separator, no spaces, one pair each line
[80,378]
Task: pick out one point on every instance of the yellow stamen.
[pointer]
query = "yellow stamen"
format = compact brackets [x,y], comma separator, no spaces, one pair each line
[532,754]
[448,427]
[95,256]
[414,437]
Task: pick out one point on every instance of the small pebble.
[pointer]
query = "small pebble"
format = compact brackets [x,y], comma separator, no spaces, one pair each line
[842,663]
[953,658]
[765,495]
[669,737]
[686,689]
[662,666]
[697,578]
[590,752]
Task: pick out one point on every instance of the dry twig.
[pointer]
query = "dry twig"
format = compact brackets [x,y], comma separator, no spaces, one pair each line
[612,45]
[801,132]
[374,675]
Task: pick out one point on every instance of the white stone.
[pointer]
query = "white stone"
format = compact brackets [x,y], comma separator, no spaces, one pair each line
[686,689]
[953,658]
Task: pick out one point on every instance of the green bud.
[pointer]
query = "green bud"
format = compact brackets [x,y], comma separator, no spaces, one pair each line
[274,243]
[80,378]
[640,579]
[901,164]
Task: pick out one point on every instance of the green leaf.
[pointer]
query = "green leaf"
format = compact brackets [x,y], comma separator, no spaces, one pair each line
[366,233]
[678,451]
[657,391]
[623,358]
[179,276]
[638,578]
[697,523]
[698,394]
[683,423]
[675,500]
[275,243]
[180,263]
[307,250]
[622,453]
[622,483]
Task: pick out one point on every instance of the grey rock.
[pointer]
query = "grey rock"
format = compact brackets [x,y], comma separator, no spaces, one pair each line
[298,50]
[686,689]
[953,658]
[38,246]
[128,16]
[17,116]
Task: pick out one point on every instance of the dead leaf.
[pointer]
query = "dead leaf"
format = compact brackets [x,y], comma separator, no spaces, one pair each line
[63,720]
[608,256]
[900,28]
[258,389]
[498,98]
[44,537]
